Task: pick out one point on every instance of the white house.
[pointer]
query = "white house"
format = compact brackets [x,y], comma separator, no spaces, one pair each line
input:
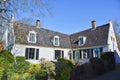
[35,43]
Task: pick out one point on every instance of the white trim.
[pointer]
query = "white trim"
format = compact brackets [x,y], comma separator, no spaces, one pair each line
[84,40]
[32,32]
[56,43]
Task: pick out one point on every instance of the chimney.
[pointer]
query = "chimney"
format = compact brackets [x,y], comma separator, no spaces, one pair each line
[93,24]
[38,23]
[110,22]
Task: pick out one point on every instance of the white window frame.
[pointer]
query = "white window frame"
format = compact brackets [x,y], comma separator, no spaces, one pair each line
[84,40]
[27,54]
[31,32]
[56,43]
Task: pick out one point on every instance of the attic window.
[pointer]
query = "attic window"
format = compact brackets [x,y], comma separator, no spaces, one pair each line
[32,37]
[82,40]
[56,41]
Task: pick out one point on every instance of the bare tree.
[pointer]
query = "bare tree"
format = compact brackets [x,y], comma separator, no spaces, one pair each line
[116,26]
[18,7]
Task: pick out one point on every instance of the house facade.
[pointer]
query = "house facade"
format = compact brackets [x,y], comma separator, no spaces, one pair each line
[36,43]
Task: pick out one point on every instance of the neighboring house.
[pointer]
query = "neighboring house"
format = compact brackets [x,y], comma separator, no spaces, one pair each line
[35,43]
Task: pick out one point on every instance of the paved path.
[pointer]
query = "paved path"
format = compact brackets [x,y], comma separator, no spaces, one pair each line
[114,75]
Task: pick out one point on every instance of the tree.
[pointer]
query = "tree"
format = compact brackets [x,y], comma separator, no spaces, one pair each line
[116,26]
[33,7]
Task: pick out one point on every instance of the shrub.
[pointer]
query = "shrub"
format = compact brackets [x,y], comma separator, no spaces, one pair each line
[70,63]
[1,72]
[109,60]
[20,59]
[34,68]
[7,56]
[80,72]
[41,75]
[20,67]
[63,69]
[49,67]
[96,66]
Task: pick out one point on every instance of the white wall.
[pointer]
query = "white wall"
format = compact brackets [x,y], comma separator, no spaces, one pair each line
[112,44]
[44,52]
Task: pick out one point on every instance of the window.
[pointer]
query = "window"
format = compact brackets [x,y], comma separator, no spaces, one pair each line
[32,53]
[59,54]
[82,40]
[94,52]
[56,41]
[84,54]
[32,37]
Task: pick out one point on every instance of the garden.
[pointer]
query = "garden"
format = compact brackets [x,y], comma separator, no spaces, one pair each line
[19,69]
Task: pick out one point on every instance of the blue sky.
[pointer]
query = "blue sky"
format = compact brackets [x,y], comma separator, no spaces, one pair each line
[70,16]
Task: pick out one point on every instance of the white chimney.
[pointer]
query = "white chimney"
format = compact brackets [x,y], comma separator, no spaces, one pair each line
[38,23]
[93,24]
[110,22]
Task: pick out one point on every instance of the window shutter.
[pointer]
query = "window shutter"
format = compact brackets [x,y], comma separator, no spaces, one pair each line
[37,54]
[26,53]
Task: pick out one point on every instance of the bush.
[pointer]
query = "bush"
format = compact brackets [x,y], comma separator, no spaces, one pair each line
[80,72]
[34,68]
[1,72]
[96,66]
[63,69]
[109,60]
[70,63]
[7,56]
[20,59]
[41,75]
[20,67]
[49,67]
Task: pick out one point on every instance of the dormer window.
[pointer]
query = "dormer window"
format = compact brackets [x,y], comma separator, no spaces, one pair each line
[32,37]
[56,41]
[82,40]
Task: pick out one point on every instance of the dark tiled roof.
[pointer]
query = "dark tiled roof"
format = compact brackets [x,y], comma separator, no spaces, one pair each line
[44,36]
[97,37]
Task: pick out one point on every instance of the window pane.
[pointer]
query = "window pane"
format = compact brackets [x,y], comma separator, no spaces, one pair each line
[32,53]
[73,54]
[81,40]
[57,54]
[88,53]
[37,54]
[80,54]
[56,41]
[101,50]
[84,54]
[91,53]
[32,37]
